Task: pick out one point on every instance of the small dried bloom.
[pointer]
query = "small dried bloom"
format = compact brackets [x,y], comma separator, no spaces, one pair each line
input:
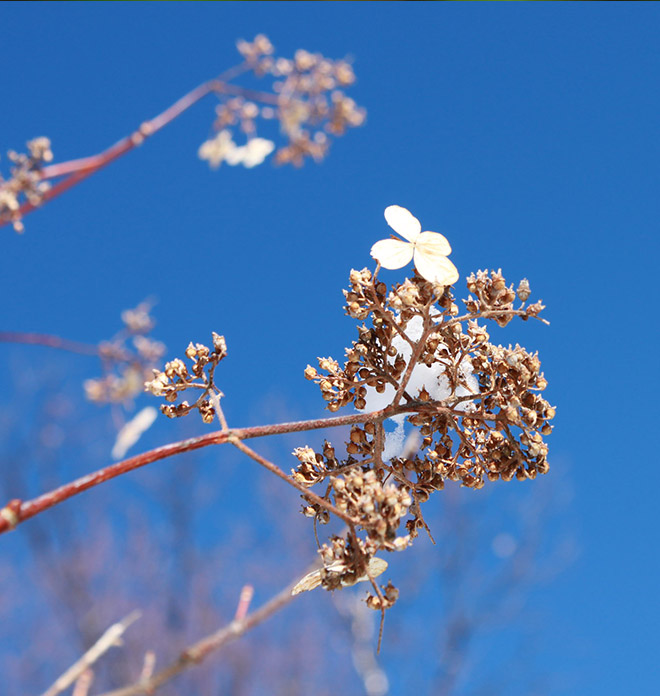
[389,597]
[25,183]
[138,320]
[255,50]
[177,378]
[523,290]
[40,149]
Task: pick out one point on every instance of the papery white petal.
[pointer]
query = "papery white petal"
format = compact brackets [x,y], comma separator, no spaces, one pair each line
[403,222]
[309,582]
[133,430]
[376,567]
[235,155]
[256,151]
[392,253]
[433,244]
[436,269]
[215,150]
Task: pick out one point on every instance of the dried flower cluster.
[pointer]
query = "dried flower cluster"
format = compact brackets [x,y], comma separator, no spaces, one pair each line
[476,406]
[25,180]
[473,410]
[127,359]
[307,100]
[177,378]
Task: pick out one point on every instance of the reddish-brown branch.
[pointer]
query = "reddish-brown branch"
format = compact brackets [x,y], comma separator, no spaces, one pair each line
[77,170]
[309,494]
[49,341]
[17,511]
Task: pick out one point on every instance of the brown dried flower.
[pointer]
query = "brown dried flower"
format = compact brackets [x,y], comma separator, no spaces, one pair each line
[477,407]
[177,378]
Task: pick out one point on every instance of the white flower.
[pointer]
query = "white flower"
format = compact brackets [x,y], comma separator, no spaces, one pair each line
[429,249]
[256,151]
[223,149]
[218,149]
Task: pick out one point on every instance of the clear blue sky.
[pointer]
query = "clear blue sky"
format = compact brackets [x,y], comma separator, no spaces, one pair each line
[527,133]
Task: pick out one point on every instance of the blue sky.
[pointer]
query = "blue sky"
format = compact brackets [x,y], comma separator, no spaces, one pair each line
[527,133]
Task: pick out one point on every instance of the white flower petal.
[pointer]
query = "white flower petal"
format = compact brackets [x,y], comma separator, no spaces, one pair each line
[256,151]
[433,244]
[436,269]
[215,150]
[403,222]
[309,582]
[376,567]
[133,430]
[235,155]
[392,253]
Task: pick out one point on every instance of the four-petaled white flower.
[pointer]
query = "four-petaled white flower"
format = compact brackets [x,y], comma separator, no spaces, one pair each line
[428,249]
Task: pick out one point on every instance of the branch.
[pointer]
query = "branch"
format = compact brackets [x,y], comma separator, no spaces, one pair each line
[197,652]
[17,511]
[48,340]
[79,169]
[307,493]
[109,639]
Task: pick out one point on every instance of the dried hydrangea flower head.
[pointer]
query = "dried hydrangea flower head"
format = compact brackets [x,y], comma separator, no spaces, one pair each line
[473,410]
[428,249]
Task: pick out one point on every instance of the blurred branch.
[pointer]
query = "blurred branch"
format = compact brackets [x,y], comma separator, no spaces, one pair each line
[198,651]
[110,638]
[79,169]
[48,340]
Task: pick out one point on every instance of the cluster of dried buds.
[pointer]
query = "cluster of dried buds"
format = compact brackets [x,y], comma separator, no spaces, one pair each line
[176,378]
[476,407]
[127,359]
[25,181]
[306,99]
[474,410]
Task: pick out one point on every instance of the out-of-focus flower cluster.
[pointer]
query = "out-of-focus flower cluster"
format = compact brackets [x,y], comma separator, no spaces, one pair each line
[306,98]
[476,408]
[176,378]
[127,359]
[25,181]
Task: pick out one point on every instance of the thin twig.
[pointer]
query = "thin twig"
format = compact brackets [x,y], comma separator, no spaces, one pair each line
[197,652]
[307,493]
[83,683]
[244,602]
[109,639]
